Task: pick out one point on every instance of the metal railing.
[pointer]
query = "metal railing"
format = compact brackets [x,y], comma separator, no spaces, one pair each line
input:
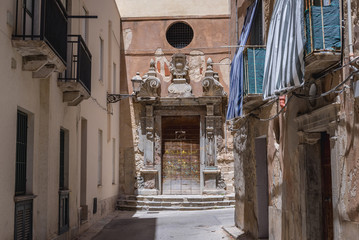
[42,20]
[253,66]
[322,26]
[79,67]
[64,211]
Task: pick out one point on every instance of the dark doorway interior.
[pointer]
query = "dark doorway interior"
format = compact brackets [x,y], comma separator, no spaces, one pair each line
[262,186]
[326,174]
[181,155]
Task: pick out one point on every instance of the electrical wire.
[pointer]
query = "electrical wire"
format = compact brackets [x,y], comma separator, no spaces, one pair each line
[333,90]
[100,106]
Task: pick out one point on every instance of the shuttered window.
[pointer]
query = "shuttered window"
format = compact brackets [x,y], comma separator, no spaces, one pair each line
[23,220]
[21,153]
[62,160]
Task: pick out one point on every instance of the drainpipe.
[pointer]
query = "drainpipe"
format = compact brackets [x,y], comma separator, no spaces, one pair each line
[350,36]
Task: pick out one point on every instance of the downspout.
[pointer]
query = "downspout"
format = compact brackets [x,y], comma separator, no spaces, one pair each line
[350,35]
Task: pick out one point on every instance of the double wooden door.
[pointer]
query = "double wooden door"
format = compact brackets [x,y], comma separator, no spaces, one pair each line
[181,155]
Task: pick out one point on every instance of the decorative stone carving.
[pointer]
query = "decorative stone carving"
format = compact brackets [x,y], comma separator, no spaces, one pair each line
[210,83]
[151,86]
[179,69]
[221,183]
[140,182]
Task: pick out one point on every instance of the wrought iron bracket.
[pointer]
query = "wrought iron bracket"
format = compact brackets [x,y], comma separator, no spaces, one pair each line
[113,98]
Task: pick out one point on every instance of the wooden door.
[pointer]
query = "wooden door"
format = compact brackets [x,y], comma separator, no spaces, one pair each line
[180,155]
[327,204]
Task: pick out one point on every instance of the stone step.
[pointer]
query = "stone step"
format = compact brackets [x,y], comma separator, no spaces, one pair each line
[184,204]
[172,208]
[179,198]
[175,202]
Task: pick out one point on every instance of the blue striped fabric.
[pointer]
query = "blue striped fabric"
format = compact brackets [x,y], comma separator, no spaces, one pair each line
[284,64]
[235,101]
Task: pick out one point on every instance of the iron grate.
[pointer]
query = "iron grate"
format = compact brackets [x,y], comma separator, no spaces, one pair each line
[179,35]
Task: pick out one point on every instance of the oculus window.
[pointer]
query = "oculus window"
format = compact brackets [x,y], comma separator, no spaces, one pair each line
[179,35]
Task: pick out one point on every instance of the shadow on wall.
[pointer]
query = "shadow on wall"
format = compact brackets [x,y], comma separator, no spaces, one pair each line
[127,153]
[130,228]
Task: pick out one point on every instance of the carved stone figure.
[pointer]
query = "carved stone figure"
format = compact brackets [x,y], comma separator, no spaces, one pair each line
[179,69]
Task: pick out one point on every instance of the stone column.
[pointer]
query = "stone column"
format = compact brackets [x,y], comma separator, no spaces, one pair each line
[148,182]
[212,175]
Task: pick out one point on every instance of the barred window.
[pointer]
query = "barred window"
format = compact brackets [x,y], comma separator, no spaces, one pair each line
[179,35]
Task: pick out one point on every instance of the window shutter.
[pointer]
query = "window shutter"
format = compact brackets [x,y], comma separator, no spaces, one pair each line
[23,220]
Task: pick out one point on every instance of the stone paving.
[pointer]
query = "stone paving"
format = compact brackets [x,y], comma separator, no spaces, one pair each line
[142,225]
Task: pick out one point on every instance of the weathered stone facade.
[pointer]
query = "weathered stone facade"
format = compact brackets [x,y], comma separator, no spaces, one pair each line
[298,141]
[216,172]
[200,90]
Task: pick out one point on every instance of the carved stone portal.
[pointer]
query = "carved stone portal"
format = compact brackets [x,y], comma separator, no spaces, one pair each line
[179,69]
[207,108]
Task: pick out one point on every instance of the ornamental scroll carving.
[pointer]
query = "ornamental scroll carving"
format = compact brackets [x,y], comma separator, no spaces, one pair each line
[210,83]
[151,86]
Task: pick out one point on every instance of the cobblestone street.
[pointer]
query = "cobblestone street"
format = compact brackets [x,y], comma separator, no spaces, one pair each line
[178,225]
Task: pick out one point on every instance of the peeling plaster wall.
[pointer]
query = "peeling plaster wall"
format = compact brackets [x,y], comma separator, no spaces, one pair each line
[210,35]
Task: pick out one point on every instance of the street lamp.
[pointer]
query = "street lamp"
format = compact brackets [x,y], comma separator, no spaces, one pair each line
[136,83]
[136,86]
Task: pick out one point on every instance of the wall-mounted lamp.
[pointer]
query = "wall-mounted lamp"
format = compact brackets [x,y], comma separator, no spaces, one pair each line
[136,86]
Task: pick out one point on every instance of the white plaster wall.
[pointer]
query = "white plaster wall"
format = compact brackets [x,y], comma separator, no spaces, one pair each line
[94,109]
[42,99]
[18,90]
[159,8]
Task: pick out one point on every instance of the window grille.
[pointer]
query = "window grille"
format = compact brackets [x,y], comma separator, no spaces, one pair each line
[179,35]
[21,153]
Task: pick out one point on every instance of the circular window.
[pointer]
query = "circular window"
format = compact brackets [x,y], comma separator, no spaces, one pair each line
[179,35]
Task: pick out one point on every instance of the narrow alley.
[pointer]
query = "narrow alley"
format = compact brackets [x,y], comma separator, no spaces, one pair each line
[151,225]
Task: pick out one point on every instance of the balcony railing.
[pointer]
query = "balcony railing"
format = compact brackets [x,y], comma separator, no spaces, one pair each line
[44,20]
[63,211]
[79,67]
[323,34]
[75,82]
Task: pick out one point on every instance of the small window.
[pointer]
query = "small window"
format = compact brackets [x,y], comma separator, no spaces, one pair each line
[85,25]
[179,35]
[99,174]
[114,78]
[113,161]
[101,59]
